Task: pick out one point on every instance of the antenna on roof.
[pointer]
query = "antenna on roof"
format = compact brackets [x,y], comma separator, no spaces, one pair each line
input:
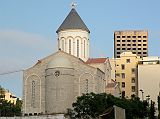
[73,4]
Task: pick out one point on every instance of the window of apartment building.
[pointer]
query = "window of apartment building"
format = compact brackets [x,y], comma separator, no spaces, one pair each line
[144,36]
[128,60]
[139,44]
[118,44]
[133,80]
[118,36]
[144,48]
[144,40]
[133,70]
[123,36]
[139,40]
[144,52]
[118,56]
[128,40]
[128,36]
[123,75]
[133,88]
[118,52]
[123,48]
[139,53]
[123,40]
[123,84]
[134,44]
[123,94]
[128,44]
[117,75]
[139,48]
[133,40]
[118,40]
[118,48]
[128,48]
[123,66]
[133,36]
[123,44]
[139,36]
[133,48]
[144,44]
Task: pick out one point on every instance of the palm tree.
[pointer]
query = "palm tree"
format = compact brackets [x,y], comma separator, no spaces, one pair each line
[2,91]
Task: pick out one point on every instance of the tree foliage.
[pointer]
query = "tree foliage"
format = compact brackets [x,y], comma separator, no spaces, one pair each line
[7,108]
[158,98]
[92,105]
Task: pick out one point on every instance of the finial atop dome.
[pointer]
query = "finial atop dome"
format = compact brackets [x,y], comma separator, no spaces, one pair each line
[73,4]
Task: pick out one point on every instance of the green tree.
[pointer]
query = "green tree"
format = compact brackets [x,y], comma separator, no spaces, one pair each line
[7,108]
[2,91]
[152,110]
[92,105]
[158,106]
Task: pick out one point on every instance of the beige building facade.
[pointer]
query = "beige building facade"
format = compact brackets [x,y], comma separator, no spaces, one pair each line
[149,78]
[135,41]
[127,73]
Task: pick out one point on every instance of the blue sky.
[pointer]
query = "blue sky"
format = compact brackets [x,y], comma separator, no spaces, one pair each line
[28,30]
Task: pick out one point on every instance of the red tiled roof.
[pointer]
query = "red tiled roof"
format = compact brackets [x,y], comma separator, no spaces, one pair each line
[96,60]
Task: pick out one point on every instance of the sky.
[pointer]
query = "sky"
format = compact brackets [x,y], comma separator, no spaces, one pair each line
[28,30]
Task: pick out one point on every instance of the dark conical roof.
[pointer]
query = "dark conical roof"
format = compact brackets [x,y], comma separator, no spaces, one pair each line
[73,21]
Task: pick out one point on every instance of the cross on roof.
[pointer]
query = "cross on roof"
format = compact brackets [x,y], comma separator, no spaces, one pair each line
[73,4]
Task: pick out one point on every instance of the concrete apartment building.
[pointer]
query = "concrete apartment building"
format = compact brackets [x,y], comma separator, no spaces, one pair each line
[135,41]
[148,72]
[126,73]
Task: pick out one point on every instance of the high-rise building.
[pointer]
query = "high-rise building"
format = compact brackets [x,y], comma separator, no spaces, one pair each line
[134,41]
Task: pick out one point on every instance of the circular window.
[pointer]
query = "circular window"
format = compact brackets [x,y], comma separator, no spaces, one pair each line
[57,73]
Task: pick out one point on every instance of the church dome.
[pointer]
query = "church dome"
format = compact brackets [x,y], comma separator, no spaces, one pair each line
[60,61]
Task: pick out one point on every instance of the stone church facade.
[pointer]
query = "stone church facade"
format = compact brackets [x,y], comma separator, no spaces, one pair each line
[52,85]
[54,82]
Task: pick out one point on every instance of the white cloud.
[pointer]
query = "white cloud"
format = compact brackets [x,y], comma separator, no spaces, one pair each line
[25,39]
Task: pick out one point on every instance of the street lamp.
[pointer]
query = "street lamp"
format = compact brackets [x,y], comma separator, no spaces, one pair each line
[148,97]
[142,93]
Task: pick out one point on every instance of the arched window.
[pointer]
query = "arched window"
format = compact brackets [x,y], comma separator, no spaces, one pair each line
[69,46]
[33,94]
[62,45]
[84,48]
[77,48]
[86,86]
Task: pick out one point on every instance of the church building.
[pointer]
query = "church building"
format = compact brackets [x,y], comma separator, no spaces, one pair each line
[54,82]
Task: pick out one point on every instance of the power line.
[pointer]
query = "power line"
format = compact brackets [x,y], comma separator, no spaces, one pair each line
[10,72]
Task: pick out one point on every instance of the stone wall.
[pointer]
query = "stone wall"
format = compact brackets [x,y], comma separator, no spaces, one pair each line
[60,116]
